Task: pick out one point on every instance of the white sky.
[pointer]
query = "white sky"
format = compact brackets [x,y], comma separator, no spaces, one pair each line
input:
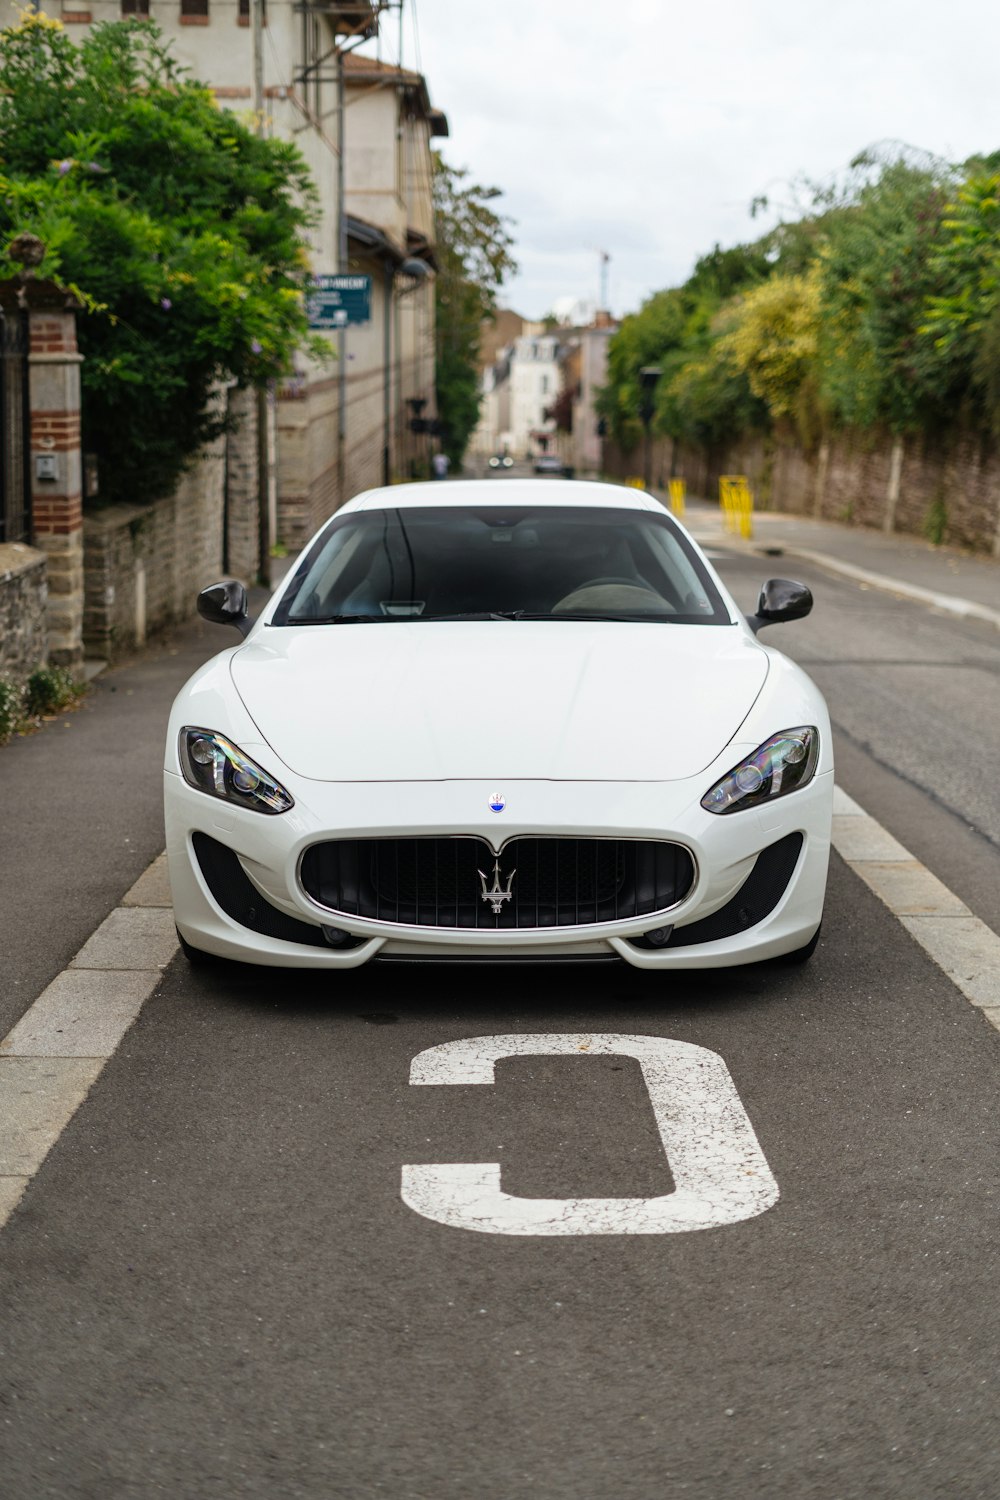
[645,129]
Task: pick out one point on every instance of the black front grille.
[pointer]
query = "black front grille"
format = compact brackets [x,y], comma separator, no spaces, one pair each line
[553,882]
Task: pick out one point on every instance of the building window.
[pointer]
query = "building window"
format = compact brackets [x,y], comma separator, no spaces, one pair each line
[545,385]
[194,12]
[243,12]
[135,8]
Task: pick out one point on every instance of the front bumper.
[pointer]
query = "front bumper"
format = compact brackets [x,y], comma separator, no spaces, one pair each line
[725,851]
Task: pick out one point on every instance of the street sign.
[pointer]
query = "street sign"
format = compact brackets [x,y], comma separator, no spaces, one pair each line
[337,301]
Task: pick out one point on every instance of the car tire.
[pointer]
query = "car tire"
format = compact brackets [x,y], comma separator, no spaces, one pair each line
[197,957]
[804,954]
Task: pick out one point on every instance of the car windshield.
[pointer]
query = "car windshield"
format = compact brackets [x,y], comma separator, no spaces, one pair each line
[464,563]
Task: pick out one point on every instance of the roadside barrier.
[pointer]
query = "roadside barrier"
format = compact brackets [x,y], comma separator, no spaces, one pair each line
[678,494]
[736,499]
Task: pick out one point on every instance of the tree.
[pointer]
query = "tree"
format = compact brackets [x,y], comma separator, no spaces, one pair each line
[961,330]
[774,338]
[676,329]
[473,261]
[877,271]
[179,228]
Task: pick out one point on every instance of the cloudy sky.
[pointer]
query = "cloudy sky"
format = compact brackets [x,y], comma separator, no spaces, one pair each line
[645,129]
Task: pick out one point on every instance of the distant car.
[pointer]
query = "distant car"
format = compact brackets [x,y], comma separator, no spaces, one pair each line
[515,722]
[501,461]
[548,463]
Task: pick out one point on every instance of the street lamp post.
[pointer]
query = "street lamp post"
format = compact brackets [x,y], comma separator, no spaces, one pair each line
[417,426]
[648,377]
[417,270]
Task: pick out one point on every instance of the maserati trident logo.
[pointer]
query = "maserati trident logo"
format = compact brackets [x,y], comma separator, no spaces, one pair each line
[497,802]
[495,894]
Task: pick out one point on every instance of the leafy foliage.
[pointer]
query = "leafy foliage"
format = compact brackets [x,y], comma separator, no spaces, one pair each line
[878,307]
[11,708]
[963,317]
[474,260]
[50,689]
[700,394]
[877,271]
[774,337]
[178,226]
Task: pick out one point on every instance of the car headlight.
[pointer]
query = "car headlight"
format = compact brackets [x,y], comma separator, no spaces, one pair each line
[783,764]
[212,764]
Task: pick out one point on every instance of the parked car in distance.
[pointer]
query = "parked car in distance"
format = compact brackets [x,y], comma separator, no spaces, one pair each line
[548,463]
[501,461]
[500,722]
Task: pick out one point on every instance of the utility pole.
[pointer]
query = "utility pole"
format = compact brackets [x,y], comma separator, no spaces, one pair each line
[343,262]
[648,377]
[342,268]
[603,289]
[263,443]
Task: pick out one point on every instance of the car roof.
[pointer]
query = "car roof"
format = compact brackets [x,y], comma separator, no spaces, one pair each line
[493,493]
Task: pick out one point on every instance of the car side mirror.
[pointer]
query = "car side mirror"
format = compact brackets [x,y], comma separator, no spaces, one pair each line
[225,603]
[780,599]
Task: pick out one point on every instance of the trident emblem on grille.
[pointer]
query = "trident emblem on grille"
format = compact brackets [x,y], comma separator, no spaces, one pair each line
[495,894]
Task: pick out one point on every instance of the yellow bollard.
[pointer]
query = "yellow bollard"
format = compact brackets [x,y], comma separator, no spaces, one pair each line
[736,500]
[746,514]
[635,482]
[678,492]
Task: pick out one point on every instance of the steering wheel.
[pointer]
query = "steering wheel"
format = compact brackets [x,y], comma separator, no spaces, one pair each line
[633,583]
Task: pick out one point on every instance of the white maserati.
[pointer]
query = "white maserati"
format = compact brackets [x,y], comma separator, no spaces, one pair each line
[494,721]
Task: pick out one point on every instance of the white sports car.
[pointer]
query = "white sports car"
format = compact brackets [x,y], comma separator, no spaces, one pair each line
[482,722]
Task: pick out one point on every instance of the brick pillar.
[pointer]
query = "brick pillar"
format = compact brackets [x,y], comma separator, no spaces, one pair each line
[57,467]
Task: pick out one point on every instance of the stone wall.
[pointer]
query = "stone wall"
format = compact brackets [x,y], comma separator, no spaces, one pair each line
[307,459]
[944,489]
[144,564]
[308,415]
[23,625]
[242,481]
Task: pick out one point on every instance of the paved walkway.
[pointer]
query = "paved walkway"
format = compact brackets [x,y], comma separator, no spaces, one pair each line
[941,577]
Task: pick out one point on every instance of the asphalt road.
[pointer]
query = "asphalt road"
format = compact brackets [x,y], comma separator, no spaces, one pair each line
[214,1288]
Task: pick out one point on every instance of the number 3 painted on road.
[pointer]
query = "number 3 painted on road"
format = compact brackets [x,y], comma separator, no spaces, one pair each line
[720,1172]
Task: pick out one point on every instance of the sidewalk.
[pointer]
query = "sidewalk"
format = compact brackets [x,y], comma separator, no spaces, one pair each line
[82,814]
[941,577]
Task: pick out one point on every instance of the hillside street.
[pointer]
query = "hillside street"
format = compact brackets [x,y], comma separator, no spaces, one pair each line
[212,1286]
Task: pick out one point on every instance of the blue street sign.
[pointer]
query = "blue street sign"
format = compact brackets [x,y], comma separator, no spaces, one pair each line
[337,301]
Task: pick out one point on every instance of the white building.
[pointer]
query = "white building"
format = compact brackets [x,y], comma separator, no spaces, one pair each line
[534,386]
[587,442]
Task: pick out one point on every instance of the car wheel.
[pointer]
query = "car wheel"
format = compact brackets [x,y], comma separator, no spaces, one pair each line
[197,957]
[804,954]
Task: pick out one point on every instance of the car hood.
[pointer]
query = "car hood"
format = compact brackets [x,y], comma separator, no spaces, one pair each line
[499,700]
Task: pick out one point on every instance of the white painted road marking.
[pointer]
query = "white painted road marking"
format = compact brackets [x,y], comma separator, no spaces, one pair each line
[719,1169]
[959,943]
[54,1055]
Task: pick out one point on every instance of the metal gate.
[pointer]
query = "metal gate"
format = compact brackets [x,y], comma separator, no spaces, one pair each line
[15,429]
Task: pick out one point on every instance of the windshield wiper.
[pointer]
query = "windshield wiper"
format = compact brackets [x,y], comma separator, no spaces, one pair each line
[492,614]
[479,614]
[527,614]
[337,619]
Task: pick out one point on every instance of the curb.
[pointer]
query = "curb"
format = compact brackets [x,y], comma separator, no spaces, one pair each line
[951,604]
[54,1055]
[964,609]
